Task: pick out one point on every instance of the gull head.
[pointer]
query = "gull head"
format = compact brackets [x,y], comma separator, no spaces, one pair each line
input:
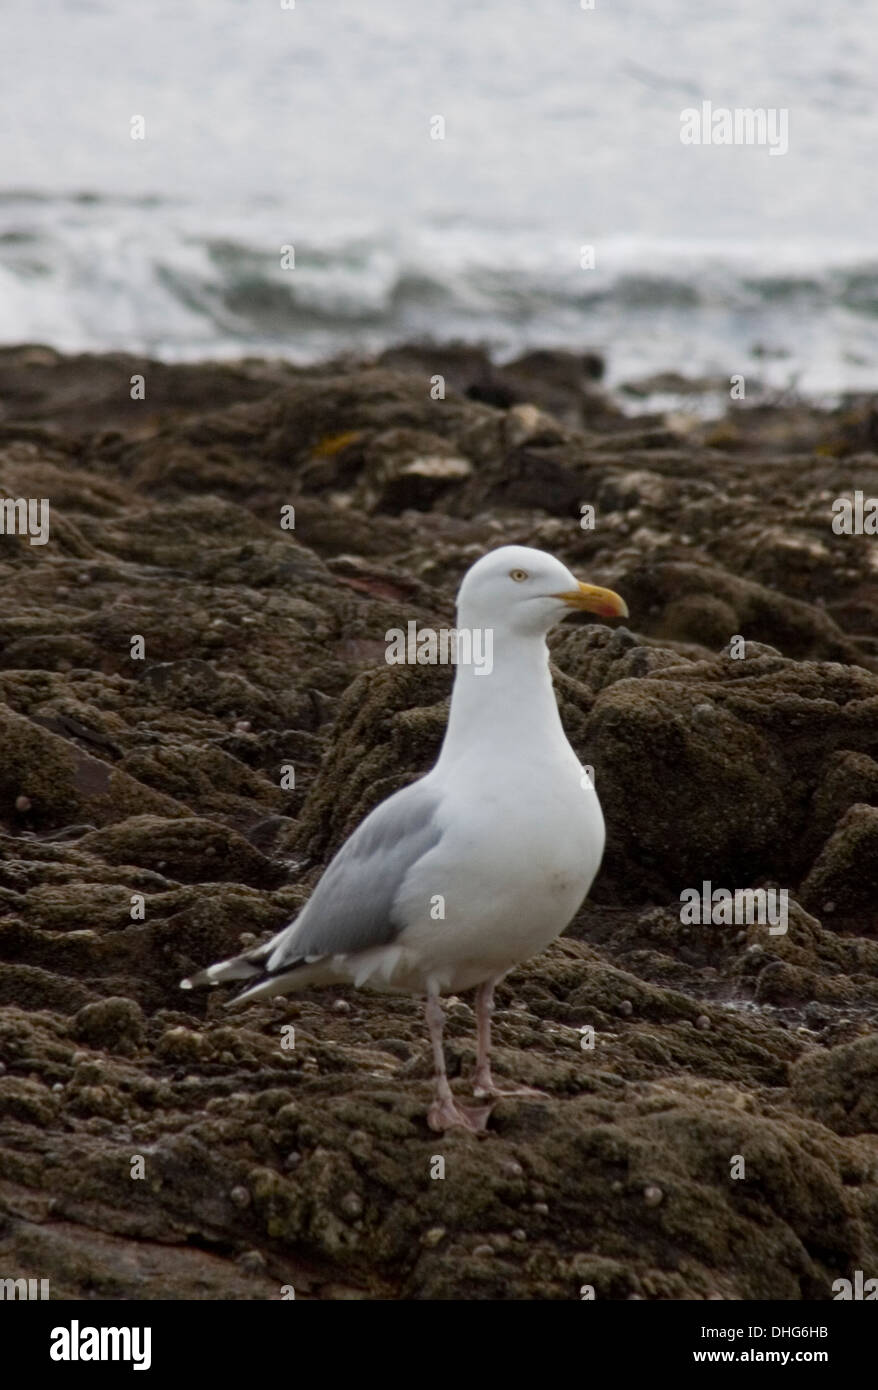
[527,591]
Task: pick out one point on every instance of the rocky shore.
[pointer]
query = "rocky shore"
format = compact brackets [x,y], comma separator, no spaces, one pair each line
[163,802]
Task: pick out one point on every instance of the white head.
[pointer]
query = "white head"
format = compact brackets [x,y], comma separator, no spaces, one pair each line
[527,591]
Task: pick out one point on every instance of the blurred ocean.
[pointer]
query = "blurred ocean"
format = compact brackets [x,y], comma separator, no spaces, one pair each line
[310,127]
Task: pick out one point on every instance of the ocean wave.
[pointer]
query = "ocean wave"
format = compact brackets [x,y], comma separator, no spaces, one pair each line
[85,272]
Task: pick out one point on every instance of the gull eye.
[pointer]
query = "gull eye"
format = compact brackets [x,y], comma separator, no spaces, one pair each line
[518,575]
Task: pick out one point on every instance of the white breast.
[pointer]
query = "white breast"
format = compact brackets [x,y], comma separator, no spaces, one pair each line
[515,862]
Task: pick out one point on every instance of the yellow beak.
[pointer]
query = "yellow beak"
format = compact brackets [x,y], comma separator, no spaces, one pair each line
[594,600]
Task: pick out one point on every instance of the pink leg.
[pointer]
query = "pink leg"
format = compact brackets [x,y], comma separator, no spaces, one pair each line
[483,1081]
[445,1112]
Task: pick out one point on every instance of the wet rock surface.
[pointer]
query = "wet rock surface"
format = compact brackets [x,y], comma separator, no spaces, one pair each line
[711,1128]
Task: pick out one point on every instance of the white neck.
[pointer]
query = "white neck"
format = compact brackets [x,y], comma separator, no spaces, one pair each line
[512,707]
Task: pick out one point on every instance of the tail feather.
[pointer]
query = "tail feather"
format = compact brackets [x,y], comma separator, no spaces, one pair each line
[243,967]
[286,982]
[250,966]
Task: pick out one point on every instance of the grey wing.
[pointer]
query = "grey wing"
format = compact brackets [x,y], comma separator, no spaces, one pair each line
[351,909]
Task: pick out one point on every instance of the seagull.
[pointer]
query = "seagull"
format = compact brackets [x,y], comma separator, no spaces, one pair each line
[480,864]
